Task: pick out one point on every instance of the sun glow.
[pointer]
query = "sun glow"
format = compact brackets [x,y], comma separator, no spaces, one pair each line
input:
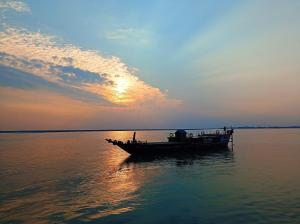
[121,87]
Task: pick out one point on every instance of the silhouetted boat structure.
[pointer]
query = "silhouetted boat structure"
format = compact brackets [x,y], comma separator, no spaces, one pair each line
[178,143]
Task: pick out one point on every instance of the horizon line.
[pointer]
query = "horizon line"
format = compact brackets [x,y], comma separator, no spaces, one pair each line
[141,129]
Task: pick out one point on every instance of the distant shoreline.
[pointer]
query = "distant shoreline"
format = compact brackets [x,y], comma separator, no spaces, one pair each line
[140,129]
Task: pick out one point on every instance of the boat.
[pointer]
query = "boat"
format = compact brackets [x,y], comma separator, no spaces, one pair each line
[179,142]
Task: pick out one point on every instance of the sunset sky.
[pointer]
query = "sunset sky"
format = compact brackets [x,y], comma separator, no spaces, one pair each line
[148,64]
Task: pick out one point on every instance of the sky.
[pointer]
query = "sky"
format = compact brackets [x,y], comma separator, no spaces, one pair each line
[148,64]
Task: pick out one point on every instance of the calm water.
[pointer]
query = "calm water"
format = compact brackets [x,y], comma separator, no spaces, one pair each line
[78,178]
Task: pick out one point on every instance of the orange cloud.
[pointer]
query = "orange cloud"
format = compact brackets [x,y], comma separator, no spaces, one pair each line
[44,109]
[23,49]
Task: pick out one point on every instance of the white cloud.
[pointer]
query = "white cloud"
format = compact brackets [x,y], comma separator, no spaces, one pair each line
[130,36]
[18,6]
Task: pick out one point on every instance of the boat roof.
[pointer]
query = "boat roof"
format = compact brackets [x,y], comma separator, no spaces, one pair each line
[181,131]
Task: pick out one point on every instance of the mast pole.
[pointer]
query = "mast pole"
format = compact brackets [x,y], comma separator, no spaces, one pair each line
[133,139]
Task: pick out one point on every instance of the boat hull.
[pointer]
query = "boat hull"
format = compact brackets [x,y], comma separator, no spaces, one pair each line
[171,148]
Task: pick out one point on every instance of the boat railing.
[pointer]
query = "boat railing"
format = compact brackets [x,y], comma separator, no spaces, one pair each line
[136,142]
[118,142]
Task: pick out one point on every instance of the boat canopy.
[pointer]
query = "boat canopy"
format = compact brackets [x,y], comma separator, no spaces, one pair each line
[180,134]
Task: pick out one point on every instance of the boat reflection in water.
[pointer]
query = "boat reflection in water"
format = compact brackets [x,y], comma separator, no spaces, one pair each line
[204,158]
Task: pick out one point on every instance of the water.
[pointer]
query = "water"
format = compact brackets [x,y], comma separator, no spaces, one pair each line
[78,178]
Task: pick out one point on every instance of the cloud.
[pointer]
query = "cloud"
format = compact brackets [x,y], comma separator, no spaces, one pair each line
[18,6]
[70,66]
[130,36]
[15,78]
[27,109]
[38,109]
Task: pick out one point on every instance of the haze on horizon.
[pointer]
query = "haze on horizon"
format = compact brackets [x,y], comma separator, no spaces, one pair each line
[148,64]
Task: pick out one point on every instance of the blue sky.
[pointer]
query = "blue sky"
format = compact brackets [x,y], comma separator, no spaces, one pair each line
[179,63]
[139,32]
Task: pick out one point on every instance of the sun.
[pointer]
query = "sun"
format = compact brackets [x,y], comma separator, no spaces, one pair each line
[120,90]
[121,86]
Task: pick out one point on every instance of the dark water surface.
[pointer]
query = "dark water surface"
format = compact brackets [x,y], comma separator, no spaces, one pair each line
[78,178]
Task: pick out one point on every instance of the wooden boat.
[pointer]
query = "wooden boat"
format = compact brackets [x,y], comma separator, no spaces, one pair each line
[178,143]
